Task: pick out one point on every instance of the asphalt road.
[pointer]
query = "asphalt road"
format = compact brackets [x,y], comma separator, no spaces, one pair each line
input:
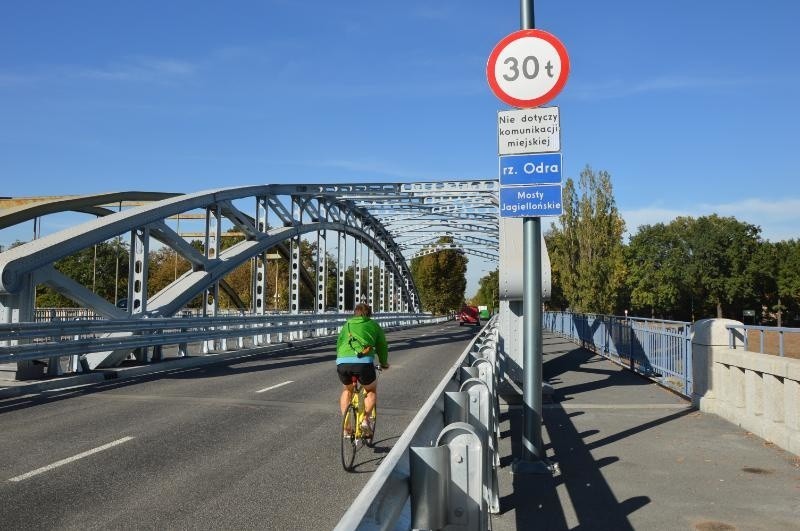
[214,447]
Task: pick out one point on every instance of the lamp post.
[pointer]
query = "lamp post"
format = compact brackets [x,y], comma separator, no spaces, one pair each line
[276,285]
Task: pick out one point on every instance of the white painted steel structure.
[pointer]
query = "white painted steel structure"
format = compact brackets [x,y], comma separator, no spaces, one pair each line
[377,226]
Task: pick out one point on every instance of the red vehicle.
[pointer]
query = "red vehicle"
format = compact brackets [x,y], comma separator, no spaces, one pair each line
[469,315]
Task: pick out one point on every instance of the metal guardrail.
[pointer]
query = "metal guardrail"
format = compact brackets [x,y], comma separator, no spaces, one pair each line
[31,341]
[658,349]
[443,469]
[763,332]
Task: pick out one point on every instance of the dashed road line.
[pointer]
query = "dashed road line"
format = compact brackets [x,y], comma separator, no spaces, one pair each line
[274,387]
[69,460]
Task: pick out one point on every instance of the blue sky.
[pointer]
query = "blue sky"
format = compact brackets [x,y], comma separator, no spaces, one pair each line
[691,106]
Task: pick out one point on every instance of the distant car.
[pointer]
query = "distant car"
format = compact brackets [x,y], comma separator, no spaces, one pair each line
[469,315]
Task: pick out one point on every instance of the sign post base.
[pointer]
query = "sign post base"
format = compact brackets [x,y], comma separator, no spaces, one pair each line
[521,467]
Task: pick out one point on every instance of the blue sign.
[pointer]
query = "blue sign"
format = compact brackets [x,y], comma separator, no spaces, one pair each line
[530,201]
[540,168]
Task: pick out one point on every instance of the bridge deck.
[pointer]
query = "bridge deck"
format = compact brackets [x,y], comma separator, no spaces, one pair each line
[635,456]
[631,455]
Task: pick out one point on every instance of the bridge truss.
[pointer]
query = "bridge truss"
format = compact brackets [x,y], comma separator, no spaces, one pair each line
[374,229]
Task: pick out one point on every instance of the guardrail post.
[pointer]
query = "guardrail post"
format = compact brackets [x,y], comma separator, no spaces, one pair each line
[456,407]
[487,374]
[447,481]
[223,341]
[465,373]
[53,363]
[481,417]
[158,353]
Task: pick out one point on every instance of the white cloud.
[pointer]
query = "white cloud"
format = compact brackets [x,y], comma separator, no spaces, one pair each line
[135,69]
[779,220]
[139,70]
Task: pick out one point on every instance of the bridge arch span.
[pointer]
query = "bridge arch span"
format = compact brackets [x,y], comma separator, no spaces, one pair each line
[26,265]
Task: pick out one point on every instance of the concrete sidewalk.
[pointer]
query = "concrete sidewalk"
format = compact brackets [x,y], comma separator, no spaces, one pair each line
[633,455]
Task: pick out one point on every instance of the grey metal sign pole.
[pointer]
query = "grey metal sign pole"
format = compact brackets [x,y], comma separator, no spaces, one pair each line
[533,459]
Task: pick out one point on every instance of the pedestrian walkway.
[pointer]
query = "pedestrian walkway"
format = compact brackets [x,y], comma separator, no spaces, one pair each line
[633,455]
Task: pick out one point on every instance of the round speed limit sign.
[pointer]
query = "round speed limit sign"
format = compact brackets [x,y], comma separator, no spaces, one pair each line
[528,68]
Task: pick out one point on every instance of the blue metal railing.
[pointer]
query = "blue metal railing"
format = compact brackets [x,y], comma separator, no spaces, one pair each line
[764,332]
[658,349]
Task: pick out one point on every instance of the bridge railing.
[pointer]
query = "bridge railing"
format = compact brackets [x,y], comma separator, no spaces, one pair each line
[57,339]
[658,349]
[767,337]
[443,469]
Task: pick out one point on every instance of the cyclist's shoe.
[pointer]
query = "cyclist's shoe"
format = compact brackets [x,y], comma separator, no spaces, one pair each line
[347,434]
[366,429]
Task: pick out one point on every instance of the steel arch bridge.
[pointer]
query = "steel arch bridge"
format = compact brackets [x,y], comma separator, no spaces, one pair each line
[376,227]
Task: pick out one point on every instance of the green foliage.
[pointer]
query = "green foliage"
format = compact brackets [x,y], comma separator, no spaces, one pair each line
[655,258]
[440,279]
[721,249]
[704,267]
[587,256]
[776,270]
[488,291]
[102,269]
[687,269]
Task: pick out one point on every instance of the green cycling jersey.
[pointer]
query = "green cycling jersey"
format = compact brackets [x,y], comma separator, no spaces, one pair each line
[358,333]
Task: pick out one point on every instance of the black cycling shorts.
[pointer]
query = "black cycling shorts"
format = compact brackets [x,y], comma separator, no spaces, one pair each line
[364,371]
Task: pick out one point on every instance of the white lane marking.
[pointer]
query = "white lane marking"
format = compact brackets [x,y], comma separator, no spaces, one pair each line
[70,459]
[275,386]
[187,370]
[67,388]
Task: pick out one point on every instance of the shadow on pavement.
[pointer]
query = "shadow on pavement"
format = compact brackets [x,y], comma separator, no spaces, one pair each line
[579,492]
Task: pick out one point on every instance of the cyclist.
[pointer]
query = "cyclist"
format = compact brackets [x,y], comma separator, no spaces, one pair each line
[360,340]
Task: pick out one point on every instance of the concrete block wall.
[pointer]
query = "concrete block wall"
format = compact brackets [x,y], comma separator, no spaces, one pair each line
[759,392]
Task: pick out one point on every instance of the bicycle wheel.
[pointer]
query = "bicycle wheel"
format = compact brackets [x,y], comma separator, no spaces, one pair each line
[348,441]
[373,422]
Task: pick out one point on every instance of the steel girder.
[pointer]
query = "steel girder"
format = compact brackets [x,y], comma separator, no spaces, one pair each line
[386,212]
[21,268]
[26,259]
[18,210]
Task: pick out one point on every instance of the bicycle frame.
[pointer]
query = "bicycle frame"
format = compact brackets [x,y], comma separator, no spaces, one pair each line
[359,396]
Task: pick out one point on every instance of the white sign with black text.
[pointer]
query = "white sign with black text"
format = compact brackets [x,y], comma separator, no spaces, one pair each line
[535,130]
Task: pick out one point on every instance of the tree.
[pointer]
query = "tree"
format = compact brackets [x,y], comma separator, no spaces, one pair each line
[558,301]
[655,258]
[776,270]
[102,268]
[440,279]
[588,252]
[489,290]
[720,251]
[789,277]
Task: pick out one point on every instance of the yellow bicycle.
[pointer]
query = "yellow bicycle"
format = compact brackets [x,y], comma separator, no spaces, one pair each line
[353,437]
